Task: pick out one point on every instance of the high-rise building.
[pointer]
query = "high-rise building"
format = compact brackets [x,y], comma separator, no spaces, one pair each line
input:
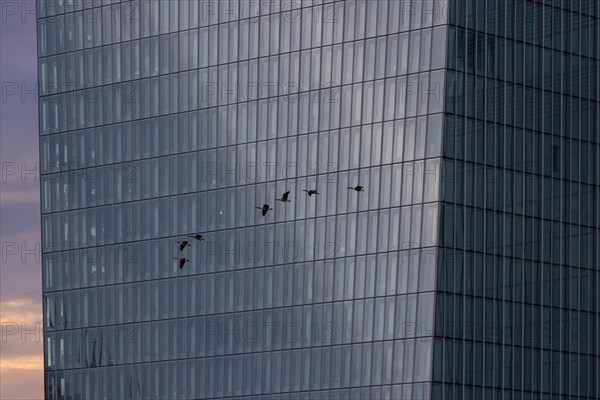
[467,267]
[517,295]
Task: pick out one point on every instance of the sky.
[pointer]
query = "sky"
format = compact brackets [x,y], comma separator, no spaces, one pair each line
[21,348]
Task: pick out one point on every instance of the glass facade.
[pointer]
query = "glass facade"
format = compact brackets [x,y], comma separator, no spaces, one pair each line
[517,301]
[160,119]
[468,268]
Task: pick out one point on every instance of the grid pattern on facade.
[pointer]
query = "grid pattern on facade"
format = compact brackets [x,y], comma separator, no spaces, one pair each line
[163,119]
[517,307]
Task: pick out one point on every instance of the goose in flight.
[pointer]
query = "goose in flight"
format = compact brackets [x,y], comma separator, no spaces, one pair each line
[181,261]
[197,236]
[357,188]
[183,244]
[264,209]
[310,191]
[284,198]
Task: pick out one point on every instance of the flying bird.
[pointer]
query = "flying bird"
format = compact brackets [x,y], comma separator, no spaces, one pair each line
[183,244]
[284,198]
[181,261]
[357,188]
[197,236]
[265,208]
[310,192]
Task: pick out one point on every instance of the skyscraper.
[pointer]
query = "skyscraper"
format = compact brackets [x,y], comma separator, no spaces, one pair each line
[517,306]
[466,268]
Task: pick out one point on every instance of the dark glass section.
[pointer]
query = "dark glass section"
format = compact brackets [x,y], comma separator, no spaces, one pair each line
[517,306]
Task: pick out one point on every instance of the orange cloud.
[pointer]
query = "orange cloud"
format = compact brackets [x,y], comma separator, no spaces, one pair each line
[21,310]
[35,363]
[22,384]
[22,361]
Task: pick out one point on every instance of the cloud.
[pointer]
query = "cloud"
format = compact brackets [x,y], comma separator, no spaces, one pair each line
[21,310]
[18,65]
[22,361]
[18,384]
[20,279]
[21,330]
[27,363]
[20,196]
[20,223]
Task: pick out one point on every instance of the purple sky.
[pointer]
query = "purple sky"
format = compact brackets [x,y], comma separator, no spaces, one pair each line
[21,355]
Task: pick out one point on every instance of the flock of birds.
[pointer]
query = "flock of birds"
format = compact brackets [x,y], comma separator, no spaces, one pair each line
[264,210]
[182,245]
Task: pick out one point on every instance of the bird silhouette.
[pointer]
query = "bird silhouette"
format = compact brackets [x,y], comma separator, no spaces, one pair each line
[181,261]
[284,198]
[357,188]
[265,208]
[183,244]
[197,236]
[310,191]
